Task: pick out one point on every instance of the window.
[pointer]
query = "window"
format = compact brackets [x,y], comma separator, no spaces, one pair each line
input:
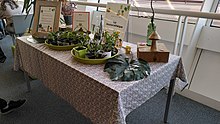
[216,23]
[186,5]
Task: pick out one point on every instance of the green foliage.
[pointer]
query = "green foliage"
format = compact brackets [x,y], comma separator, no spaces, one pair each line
[70,37]
[94,51]
[28,5]
[109,41]
[127,69]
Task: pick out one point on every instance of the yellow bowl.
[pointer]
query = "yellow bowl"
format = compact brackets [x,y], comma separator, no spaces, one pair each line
[91,61]
[60,48]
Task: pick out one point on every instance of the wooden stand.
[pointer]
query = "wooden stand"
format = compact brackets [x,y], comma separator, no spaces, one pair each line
[158,53]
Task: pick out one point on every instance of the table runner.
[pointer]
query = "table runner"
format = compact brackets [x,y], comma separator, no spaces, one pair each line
[88,88]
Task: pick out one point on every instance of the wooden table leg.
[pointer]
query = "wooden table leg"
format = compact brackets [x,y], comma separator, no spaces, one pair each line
[169,99]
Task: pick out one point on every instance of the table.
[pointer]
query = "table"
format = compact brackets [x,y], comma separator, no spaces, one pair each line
[89,89]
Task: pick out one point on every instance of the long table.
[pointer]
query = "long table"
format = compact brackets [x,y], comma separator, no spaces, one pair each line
[90,90]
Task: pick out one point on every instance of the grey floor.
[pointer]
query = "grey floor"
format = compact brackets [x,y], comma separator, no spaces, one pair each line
[43,107]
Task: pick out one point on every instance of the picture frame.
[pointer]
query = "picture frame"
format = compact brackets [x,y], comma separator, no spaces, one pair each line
[46,18]
[80,20]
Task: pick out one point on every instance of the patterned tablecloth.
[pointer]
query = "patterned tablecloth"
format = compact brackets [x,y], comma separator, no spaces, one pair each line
[88,88]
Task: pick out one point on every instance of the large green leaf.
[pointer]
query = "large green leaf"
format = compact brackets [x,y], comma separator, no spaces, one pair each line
[126,69]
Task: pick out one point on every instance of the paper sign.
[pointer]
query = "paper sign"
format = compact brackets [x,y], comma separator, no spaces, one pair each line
[81,20]
[116,18]
[46,19]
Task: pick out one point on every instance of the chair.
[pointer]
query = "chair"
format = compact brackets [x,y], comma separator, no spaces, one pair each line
[20,23]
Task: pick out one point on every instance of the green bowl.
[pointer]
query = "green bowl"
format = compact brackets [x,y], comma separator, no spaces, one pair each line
[59,48]
[91,61]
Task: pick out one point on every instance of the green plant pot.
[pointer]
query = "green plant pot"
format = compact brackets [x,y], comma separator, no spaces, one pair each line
[80,51]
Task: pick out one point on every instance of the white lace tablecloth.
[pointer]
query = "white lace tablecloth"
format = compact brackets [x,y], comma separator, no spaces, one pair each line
[88,88]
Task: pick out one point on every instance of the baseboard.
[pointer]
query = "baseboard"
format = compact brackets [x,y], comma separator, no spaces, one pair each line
[201,99]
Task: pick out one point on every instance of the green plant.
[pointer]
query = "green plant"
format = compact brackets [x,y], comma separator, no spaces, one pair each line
[68,38]
[109,42]
[127,69]
[83,38]
[94,50]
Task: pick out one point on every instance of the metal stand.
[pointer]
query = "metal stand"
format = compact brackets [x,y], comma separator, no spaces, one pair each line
[169,99]
[27,79]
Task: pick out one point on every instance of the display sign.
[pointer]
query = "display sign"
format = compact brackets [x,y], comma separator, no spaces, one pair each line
[47,14]
[116,18]
[81,20]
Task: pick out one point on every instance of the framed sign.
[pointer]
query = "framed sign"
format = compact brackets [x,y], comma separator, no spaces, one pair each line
[116,17]
[81,20]
[46,18]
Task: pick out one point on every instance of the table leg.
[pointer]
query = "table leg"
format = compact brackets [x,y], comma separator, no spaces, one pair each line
[27,80]
[169,99]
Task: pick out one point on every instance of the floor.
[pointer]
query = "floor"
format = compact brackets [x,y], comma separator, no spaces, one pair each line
[44,107]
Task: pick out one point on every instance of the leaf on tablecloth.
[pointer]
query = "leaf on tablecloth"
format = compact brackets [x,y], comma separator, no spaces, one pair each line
[127,69]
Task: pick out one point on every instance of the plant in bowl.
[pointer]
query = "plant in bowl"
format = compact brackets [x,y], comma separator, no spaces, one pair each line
[95,51]
[52,38]
[83,38]
[66,40]
[109,41]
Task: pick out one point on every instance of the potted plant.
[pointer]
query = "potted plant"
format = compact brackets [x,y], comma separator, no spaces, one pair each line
[109,41]
[95,50]
[67,9]
[83,40]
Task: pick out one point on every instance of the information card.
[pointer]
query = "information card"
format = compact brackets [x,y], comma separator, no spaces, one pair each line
[116,18]
[81,20]
[46,19]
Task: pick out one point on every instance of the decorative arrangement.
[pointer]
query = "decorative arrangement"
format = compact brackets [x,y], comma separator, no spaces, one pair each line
[152,51]
[127,69]
[97,49]
[66,40]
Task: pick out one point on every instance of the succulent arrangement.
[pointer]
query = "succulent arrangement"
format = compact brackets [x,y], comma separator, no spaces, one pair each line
[95,46]
[61,38]
[99,45]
